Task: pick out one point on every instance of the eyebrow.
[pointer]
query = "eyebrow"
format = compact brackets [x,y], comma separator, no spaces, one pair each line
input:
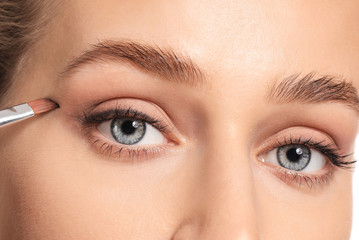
[163,62]
[178,67]
[312,89]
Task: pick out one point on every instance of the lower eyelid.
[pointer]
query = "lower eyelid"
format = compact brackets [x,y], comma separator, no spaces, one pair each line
[302,180]
[126,153]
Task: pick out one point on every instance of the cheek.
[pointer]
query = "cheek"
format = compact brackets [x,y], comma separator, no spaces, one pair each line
[63,189]
[323,213]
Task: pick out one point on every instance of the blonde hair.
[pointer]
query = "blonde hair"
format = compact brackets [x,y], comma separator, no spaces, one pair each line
[21,24]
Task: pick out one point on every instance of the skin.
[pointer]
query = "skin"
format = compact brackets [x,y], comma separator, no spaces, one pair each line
[210,184]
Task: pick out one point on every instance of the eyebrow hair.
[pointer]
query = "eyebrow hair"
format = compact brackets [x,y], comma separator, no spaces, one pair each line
[163,62]
[310,89]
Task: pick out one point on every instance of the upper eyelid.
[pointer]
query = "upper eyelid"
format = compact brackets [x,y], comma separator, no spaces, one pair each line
[101,110]
[318,145]
[100,116]
[106,115]
[292,134]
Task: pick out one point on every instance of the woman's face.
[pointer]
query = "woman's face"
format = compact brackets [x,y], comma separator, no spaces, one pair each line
[186,120]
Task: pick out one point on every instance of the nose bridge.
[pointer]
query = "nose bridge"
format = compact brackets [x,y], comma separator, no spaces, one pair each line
[229,201]
[225,198]
[225,201]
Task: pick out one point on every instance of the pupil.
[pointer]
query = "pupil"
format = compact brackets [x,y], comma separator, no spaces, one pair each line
[293,155]
[127,127]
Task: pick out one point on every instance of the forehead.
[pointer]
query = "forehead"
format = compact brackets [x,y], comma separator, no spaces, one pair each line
[239,37]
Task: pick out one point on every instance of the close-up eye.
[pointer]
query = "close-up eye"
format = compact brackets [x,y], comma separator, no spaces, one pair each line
[136,131]
[296,157]
[130,131]
[301,160]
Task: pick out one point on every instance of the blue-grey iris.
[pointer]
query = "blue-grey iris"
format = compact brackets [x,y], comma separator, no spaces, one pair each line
[128,131]
[294,157]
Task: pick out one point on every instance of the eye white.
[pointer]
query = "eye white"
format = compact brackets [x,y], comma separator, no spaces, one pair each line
[152,135]
[317,160]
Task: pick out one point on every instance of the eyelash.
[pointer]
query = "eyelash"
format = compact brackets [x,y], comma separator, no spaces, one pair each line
[97,118]
[92,120]
[330,151]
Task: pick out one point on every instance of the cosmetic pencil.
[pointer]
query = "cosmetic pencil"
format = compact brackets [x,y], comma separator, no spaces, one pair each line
[26,110]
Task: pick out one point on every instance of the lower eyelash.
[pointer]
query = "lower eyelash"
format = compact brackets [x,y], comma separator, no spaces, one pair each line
[298,179]
[131,154]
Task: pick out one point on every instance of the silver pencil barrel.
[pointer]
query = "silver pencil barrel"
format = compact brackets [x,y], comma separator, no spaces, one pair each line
[15,114]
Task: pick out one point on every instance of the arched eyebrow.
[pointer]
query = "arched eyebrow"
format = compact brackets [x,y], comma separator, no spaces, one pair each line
[312,89]
[163,62]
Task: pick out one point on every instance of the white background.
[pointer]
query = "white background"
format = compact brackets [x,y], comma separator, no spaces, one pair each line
[355,229]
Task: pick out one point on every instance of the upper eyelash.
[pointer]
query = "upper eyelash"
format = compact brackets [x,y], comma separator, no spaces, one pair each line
[99,117]
[330,151]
